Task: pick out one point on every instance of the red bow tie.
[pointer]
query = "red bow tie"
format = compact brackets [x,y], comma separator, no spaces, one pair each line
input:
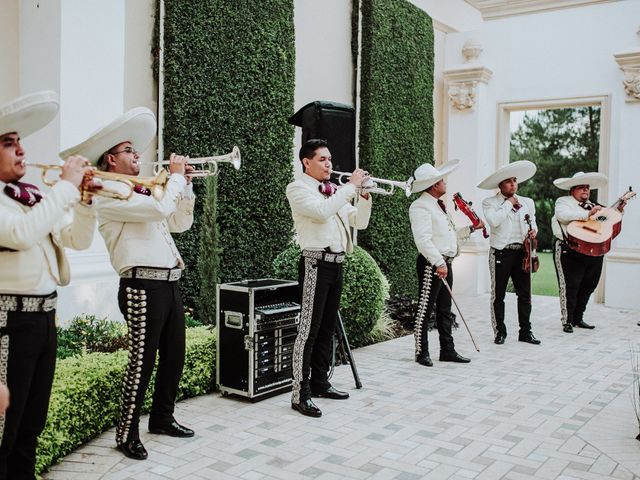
[142,190]
[327,188]
[25,193]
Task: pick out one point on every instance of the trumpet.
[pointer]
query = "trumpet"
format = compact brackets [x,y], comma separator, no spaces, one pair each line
[204,166]
[155,184]
[371,185]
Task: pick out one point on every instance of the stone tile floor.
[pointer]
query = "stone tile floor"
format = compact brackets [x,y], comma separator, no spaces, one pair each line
[561,410]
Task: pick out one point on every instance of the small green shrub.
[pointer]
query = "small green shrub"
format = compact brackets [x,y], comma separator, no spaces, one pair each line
[85,398]
[87,333]
[364,292]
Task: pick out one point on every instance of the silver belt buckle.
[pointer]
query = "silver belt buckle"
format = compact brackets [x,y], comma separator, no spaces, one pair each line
[174,274]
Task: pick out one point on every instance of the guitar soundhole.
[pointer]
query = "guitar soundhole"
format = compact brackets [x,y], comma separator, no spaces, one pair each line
[601,218]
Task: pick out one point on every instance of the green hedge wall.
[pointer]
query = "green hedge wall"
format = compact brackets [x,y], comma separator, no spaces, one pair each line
[85,399]
[396,125]
[364,292]
[229,68]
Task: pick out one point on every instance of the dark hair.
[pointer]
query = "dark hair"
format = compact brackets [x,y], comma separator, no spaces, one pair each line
[309,148]
[102,162]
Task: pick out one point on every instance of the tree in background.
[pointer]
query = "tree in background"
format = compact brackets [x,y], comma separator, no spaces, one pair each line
[560,142]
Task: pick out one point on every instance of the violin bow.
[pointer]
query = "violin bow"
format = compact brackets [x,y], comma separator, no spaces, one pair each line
[460,313]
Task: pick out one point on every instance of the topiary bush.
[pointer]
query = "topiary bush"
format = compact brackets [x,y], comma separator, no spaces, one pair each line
[396,125]
[85,399]
[229,78]
[364,293]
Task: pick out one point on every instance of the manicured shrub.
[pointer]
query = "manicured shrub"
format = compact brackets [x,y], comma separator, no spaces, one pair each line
[396,125]
[85,399]
[87,333]
[229,68]
[364,292]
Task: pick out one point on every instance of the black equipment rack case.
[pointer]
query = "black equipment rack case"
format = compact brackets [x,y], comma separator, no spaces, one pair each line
[257,326]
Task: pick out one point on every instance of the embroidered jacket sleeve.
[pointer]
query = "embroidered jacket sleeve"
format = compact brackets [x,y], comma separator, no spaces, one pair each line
[360,214]
[145,208]
[79,233]
[496,211]
[182,219]
[22,230]
[304,202]
[422,228]
[568,210]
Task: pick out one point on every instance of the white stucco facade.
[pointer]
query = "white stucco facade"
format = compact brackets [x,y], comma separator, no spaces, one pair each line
[96,54]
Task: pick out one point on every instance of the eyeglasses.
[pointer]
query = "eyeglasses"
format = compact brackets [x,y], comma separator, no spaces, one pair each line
[130,150]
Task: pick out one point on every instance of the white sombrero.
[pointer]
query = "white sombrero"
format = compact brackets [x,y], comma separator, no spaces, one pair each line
[593,179]
[28,114]
[522,170]
[427,175]
[137,126]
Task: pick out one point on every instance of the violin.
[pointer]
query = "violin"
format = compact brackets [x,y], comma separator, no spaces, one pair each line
[465,207]
[530,261]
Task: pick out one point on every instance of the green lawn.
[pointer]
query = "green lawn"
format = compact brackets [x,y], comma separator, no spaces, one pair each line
[545,281]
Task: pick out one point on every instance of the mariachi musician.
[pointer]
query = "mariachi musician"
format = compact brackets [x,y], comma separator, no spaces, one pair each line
[137,234]
[436,237]
[578,274]
[34,229]
[507,215]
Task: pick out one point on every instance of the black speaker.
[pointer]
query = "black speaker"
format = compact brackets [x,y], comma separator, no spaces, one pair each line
[333,122]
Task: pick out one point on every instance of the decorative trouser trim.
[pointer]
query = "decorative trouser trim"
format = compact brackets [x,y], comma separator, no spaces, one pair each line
[562,283]
[492,272]
[422,309]
[308,299]
[136,322]
[4,361]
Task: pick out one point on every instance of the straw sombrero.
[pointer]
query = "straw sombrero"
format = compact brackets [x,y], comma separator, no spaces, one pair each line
[593,179]
[427,175]
[137,126]
[522,170]
[28,114]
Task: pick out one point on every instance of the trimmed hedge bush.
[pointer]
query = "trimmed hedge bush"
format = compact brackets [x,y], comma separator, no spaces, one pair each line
[229,77]
[364,293]
[396,125]
[85,399]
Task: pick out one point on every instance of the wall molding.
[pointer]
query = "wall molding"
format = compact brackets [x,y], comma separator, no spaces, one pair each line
[495,9]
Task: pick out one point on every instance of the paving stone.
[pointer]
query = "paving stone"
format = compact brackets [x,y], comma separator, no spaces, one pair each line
[557,411]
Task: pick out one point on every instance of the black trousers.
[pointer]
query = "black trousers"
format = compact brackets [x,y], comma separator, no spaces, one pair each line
[505,264]
[27,363]
[433,296]
[578,277]
[321,286]
[155,320]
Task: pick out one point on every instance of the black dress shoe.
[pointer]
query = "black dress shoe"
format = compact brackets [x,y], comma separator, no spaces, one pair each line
[529,338]
[424,360]
[567,328]
[453,357]
[308,408]
[583,324]
[134,449]
[173,429]
[500,338]
[331,393]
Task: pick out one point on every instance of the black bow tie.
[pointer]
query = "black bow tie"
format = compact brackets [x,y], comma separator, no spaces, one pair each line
[586,205]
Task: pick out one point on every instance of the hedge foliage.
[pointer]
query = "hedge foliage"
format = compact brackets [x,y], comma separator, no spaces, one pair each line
[85,399]
[396,125]
[229,68]
[364,292]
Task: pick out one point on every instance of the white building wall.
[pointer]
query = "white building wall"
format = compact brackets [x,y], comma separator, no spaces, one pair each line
[9,60]
[324,68]
[552,55]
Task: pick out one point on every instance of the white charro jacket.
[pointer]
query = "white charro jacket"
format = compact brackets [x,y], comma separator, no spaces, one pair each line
[322,221]
[506,225]
[137,231]
[567,210]
[434,232]
[32,239]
